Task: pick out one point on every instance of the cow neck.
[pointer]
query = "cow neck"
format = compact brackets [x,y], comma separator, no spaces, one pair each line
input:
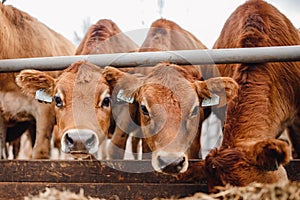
[253,114]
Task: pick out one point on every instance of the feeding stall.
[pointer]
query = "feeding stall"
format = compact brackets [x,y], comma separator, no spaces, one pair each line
[127,179]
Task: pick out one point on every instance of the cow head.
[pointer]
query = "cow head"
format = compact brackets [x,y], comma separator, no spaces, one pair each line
[81,97]
[169,102]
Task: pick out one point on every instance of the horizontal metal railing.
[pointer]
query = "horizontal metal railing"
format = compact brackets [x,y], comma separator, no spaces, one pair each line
[207,56]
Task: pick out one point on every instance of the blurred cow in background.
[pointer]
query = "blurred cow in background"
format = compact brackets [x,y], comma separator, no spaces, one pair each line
[22,36]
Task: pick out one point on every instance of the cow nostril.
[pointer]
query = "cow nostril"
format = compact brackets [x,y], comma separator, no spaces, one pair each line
[161,161]
[69,140]
[181,161]
[171,165]
[80,142]
[170,161]
[91,141]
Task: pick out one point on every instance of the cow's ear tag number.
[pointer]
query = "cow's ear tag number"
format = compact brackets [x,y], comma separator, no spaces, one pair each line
[121,97]
[41,95]
[211,101]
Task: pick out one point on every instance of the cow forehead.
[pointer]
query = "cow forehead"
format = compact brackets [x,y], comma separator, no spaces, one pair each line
[90,84]
[182,96]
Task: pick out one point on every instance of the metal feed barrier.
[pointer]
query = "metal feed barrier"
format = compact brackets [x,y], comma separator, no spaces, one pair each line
[213,56]
[104,179]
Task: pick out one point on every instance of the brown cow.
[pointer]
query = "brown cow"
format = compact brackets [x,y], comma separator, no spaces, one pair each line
[168,103]
[267,102]
[82,105]
[163,35]
[81,94]
[105,37]
[22,36]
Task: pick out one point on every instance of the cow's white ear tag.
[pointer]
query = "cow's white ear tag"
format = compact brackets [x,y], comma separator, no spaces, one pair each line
[121,97]
[211,101]
[41,95]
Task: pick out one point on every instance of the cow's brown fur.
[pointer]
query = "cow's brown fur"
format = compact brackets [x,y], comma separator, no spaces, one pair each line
[231,166]
[266,104]
[168,109]
[102,37]
[81,90]
[22,36]
[163,35]
[105,37]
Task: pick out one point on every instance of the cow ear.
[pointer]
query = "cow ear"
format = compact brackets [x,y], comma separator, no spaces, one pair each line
[216,91]
[32,82]
[123,85]
[112,75]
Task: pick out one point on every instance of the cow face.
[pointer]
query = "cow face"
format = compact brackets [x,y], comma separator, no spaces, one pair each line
[81,97]
[169,109]
[170,121]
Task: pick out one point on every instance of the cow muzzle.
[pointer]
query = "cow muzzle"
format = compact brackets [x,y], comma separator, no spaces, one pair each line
[80,142]
[170,163]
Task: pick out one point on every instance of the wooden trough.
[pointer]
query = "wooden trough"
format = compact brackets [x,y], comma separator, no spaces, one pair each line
[102,179]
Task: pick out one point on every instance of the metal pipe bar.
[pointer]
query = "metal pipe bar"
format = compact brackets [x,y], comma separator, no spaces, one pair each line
[195,57]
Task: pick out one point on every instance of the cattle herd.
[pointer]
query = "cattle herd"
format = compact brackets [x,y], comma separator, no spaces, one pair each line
[161,107]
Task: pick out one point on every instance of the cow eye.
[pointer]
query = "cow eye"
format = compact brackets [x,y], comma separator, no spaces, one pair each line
[144,110]
[195,111]
[105,102]
[58,101]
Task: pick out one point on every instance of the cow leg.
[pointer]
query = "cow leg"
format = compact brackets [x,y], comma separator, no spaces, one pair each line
[116,148]
[41,149]
[32,133]
[123,116]
[16,144]
[25,146]
[195,147]
[269,154]
[2,137]
[135,146]
[28,141]
[146,151]
[135,142]
[294,134]
[44,129]
[56,137]
[103,149]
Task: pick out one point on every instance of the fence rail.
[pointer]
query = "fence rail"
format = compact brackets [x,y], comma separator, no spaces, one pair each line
[209,56]
[101,179]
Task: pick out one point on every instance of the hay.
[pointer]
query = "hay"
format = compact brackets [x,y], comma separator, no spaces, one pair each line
[281,191]
[255,191]
[54,194]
